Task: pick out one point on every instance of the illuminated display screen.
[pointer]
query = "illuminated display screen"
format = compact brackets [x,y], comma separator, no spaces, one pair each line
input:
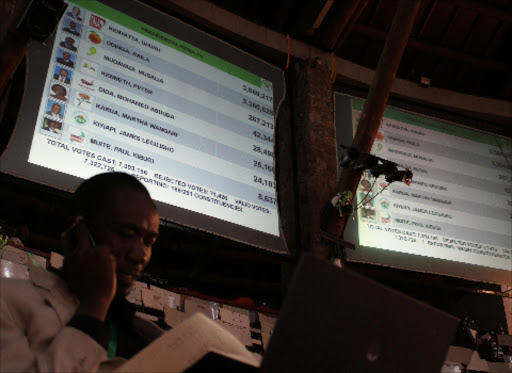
[456,216]
[190,116]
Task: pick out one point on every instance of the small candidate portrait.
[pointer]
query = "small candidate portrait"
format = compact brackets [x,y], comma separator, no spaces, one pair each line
[55,110]
[366,199]
[62,75]
[75,13]
[68,43]
[66,58]
[52,126]
[72,27]
[58,92]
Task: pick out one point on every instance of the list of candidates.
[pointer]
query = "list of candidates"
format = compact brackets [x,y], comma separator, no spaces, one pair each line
[459,204]
[123,96]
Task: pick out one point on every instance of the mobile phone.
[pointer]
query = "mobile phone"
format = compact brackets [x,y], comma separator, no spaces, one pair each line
[73,235]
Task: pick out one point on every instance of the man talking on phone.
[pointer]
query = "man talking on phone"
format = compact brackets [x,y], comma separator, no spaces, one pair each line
[78,320]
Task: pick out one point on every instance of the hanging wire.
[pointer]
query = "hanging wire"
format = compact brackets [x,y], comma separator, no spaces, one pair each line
[367,194]
[383,189]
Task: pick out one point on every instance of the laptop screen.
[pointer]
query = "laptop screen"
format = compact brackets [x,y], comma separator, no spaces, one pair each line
[334,319]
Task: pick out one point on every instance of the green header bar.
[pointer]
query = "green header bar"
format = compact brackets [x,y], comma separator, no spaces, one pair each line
[438,126]
[167,40]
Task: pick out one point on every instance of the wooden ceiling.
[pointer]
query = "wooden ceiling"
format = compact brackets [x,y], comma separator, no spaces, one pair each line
[460,45]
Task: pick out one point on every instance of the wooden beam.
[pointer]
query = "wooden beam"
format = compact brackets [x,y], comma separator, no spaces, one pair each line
[437,50]
[273,46]
[335,23]
[496,39]
[375,104]
[385,74]
[279,17]
[375,11]
[427,19]
[351,23]
[484,8]
[323,12]
[305,16]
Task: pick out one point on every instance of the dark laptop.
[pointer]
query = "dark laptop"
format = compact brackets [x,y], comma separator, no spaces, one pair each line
[336,320]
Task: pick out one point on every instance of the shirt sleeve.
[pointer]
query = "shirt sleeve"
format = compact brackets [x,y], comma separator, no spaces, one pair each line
[71,350]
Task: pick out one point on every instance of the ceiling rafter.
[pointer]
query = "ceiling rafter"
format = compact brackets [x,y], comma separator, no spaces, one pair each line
[435,49]
[472,37]
[279,17]
[305,17]
[449,25]
[483,8]
[360,8]
[335,23]
[427,19]
[470,32]
[500,27]
[323,12]
[375,11]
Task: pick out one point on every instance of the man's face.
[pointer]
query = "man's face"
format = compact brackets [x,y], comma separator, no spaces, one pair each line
[66,55]
[366,186]
[72,25]
[76,10]
[70,41]
[129,227]
[64,73]
[59,90]
[56,109]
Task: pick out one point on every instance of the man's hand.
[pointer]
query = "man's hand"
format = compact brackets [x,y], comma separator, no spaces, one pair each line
[90,271]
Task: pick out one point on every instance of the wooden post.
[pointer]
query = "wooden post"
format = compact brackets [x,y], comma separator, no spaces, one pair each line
[377,99]
[315,147]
